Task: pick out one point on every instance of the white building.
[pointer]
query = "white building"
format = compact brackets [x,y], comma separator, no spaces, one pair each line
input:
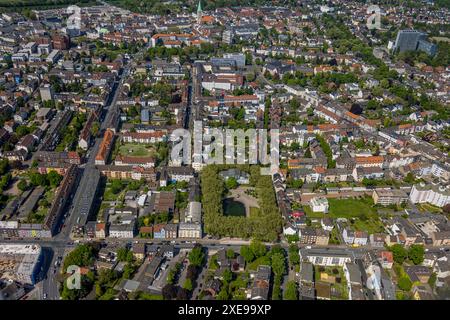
[434,194]
[54,56]
[20,262]
[319,204]
[190,230]
[327,256]
[440,171]
[194,212]
[123,230]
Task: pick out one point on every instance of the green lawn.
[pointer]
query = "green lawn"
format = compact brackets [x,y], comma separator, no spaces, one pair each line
[135,150]
[254,211]
[351,208]
[311,214]
[372,225]
[426,207]
[264,260]
[108,195]
[345,208]
[366,217]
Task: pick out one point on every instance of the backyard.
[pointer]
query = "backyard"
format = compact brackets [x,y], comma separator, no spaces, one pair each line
[136,150]
[335,276]
[38,215]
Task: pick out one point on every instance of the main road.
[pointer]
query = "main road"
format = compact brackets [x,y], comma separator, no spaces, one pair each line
[61,241]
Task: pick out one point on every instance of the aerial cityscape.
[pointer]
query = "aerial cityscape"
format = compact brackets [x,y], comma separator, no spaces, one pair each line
[224,150]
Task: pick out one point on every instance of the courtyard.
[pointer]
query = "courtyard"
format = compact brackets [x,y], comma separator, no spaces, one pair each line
[239,203]
[136,150]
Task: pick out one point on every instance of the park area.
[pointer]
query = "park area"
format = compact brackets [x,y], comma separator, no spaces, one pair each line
[136,150]
[360,212]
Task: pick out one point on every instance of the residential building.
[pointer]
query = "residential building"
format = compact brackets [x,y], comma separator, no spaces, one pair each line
[389,197]
[189,230]
[432,193]
[319,204]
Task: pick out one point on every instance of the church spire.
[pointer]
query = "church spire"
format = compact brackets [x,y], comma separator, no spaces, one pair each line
[199,11]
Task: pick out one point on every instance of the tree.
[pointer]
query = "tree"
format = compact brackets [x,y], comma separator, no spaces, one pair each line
[95,128]
[22,185]
[432,280]
[123,254]
[171,276]
[38,179]
[409,178]
[247,253]
[82,256]
[294,256]
[4,166]
[295,146]
[295,104]
[223,294]
[230,253]
[54,178]
[191,272]
[231,183]
[182,294]
[399,253]
[169,292]
[278,264]
[116,186]
[128,271]
[291,291]
[258,248]
[404,283]
[276,290]
[196,256]
[22,131]
[227,276]
[188,284]
[98,290]
[415,253]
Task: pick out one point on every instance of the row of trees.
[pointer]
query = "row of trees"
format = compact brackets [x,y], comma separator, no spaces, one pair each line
[327,150]
[415,253]
[5,174]
[51,179]
[266,225]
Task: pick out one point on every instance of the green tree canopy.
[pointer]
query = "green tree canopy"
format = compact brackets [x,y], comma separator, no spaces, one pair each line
[196,256]
[416,253]
[247,253]
[258,248]
[291,292]
[399,253]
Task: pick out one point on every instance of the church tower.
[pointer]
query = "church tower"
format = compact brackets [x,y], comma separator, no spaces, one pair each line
[199,12]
